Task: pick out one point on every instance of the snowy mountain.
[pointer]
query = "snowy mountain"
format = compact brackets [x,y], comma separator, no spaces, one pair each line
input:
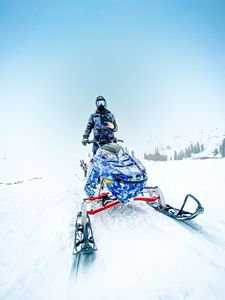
[141,254]
[210,141]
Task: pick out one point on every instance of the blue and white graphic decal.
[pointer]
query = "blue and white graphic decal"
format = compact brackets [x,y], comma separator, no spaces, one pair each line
[123,175]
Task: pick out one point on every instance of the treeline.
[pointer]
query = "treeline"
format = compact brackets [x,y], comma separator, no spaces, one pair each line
[156,156]
[186,153]
[222,148]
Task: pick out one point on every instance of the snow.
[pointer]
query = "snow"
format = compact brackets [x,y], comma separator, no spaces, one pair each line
[141,253]
[210,139]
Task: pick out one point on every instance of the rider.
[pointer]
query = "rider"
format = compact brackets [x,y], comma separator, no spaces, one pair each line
[103,124]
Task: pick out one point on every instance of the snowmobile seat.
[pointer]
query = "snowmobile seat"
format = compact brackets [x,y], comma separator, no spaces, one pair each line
[112,147]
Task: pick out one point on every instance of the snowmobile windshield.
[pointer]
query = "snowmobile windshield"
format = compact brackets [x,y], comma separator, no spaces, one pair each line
[111,151]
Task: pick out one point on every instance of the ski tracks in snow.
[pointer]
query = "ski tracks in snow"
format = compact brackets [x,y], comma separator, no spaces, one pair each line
[141,253]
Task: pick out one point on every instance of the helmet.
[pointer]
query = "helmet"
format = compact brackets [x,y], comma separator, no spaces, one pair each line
[101,103]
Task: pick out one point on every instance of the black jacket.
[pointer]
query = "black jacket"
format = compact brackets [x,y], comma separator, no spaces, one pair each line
[98,123]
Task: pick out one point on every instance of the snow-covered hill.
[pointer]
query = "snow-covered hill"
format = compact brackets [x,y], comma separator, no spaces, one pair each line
[141,254]
[210,139]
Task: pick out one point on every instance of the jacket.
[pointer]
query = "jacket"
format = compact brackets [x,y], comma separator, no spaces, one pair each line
[98,123]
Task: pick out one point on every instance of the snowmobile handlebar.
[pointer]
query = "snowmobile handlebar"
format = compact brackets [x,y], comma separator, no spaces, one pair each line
[98,143]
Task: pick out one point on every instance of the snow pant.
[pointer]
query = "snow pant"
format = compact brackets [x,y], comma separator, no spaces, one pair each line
[94,148]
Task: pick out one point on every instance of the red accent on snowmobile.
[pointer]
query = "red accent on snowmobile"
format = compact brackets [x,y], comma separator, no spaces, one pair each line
[98,197]
[116,202]
[95,211]
[146,199]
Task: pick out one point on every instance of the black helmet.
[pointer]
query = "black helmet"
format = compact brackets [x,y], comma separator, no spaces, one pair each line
[101,103]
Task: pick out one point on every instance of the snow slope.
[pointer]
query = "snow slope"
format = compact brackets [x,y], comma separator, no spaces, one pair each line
[141,254]
[210,139]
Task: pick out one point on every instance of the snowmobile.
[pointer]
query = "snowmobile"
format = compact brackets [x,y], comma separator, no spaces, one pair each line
[113,178]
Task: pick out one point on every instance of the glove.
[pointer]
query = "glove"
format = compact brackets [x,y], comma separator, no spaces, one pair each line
[85,140]
[110,125]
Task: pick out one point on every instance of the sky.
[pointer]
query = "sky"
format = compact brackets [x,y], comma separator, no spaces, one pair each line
[159,64]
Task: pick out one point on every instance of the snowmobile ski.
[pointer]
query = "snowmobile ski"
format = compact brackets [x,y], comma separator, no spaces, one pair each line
[83,239]
[179,214]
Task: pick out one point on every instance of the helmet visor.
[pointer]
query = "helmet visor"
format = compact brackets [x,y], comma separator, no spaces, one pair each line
[100,103]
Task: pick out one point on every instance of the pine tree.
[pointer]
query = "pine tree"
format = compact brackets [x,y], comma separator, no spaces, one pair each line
[188,152]
[197,147]
[181,155]
[215,152]
[222,148]
[175,155]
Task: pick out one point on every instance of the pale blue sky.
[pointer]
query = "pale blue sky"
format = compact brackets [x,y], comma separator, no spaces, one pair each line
[160,64]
